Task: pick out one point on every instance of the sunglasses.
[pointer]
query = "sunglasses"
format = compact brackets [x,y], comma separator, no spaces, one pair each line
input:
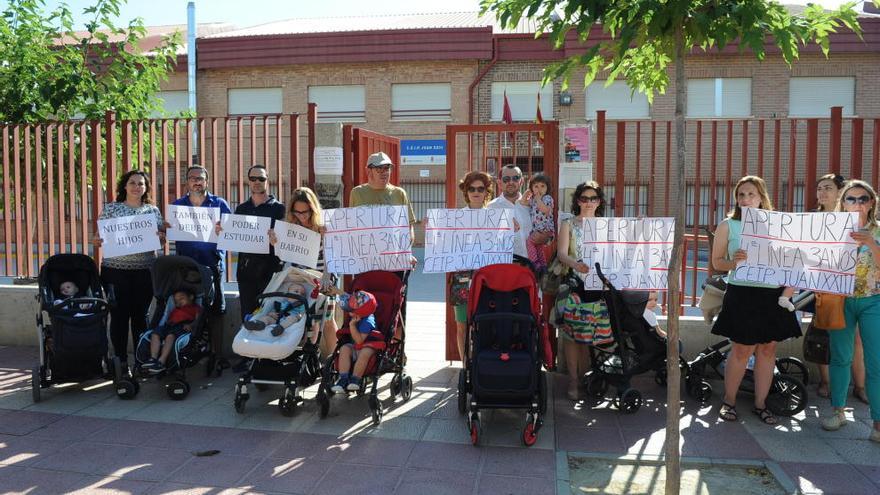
[297,212]
[509,178]
[258,179]
[196,178]
[479,189]
[862,200]
[588,199]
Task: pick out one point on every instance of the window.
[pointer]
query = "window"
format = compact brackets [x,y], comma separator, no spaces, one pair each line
[523,100]
[421,101]
[254,101]
[172,103]
[814,96]
[713,98]
[339,103]
[617,100]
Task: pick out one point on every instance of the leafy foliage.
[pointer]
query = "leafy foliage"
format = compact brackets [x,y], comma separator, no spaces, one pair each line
[633,39]
[48,71]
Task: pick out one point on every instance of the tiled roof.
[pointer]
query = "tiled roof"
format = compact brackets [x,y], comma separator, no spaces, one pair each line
[447,20]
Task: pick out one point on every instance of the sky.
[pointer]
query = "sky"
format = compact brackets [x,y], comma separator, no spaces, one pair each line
[253,12]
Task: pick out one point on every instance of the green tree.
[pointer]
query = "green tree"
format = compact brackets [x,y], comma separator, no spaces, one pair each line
[643,38]
[48,71]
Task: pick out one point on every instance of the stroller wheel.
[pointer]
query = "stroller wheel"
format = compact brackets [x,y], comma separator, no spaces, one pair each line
[287,403]
[793,367]
[323,403]
[126,389]
[241,397]
[660,377]
[394,387]
[376,407]
[542,393]
[476,430]
[700,390]
[35,383]
[462,392]
[406,388]
[530,434]
[177,390]
[630,401]
[596,386]
[787,397]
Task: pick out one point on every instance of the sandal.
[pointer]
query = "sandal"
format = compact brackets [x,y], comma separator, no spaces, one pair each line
[859,393]
[823,391]
[727,412]
[766,416]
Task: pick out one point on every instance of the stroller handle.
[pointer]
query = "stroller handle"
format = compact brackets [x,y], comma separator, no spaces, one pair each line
[602,276]
[299,298]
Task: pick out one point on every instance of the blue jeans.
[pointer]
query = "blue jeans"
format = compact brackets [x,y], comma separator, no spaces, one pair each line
[864,312]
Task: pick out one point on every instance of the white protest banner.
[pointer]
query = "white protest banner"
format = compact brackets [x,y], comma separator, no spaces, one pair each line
[805,250]
[128,235]
[192,223]
[244,233]
[365,238]
[633,253]
[466,239]
[297,244]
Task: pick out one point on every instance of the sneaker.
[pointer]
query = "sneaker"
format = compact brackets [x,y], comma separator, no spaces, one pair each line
[157,367]
[354,384]
[277,330]
[254,325]
[875,435]
[835,421]
[148,364]
[340,385]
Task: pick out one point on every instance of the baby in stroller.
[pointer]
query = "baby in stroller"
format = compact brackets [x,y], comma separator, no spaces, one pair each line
[179,321]
[360,305]
[278,313]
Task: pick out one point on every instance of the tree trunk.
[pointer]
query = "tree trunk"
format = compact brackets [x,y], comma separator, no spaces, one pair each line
[673,391]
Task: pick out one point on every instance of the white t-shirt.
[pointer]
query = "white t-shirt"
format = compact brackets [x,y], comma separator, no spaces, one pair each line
[651,318]
[522,216]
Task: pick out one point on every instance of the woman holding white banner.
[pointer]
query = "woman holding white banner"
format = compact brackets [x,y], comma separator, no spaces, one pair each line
[827,194]
[753,316]
[476,187]
[862,309]
[305,211]
[585,315]
[129,274]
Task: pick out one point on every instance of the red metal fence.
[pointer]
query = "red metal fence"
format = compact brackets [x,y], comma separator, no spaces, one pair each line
[788,153]
[57,175]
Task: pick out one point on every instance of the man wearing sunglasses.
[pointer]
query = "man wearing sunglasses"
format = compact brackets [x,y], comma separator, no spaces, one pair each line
[510,185]
[255,270]
[205,253]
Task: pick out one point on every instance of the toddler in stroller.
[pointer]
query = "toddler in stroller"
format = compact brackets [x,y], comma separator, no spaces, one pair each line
[365,339]
[275,337]
[71,323]
[385,352]
[179,321]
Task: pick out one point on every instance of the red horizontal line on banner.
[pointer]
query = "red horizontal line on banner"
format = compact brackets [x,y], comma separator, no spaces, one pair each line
[795,241]
[829,271]
[628,242]
[365,228]
[467,228]
[397,252]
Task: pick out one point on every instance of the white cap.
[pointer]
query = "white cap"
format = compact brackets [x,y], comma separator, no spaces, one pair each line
[379,159]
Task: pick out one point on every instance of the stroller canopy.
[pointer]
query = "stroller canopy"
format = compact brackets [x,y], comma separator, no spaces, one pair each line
[388,290]
[504,278]
[171,273]
[77,268]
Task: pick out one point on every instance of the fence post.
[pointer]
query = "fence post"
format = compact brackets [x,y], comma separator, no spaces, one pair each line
[858,129]
[294,151]
[97,201]
[812,160]
[313,119]
[110,140]
[620,172]
[600,147]
[834,139]
[347,163]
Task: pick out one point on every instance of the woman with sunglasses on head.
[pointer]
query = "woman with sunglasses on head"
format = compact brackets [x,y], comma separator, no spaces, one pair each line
[754,316]
[862,309]
[129,274]
[827,194]
[305,211]
[476,188]
[585,315]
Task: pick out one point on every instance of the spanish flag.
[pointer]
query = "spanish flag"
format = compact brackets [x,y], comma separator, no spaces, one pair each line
[539,120]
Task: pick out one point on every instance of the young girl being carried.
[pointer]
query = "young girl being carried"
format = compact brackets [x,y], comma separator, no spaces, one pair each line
[540,204]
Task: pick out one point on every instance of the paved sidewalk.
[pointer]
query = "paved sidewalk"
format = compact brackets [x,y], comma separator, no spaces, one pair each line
[83,439]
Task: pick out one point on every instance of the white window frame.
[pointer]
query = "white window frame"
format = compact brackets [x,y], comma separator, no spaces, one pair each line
[523,99]
[722,91]
[176,110]
[340,103]
[819,99]
[255,101]
[618,101]
[421,101]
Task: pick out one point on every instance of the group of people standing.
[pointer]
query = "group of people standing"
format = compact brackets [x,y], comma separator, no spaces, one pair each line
[130,274]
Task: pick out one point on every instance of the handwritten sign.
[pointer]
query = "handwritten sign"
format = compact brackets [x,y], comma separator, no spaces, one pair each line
[297,244]
[465,239]
[128,235]
[192,223]
[244,233]
[633,253]
[806,250]
[365,238]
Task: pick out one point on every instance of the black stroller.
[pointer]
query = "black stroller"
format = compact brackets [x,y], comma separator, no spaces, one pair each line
[637,349]
[507,341]
[73,343]
[169,274]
